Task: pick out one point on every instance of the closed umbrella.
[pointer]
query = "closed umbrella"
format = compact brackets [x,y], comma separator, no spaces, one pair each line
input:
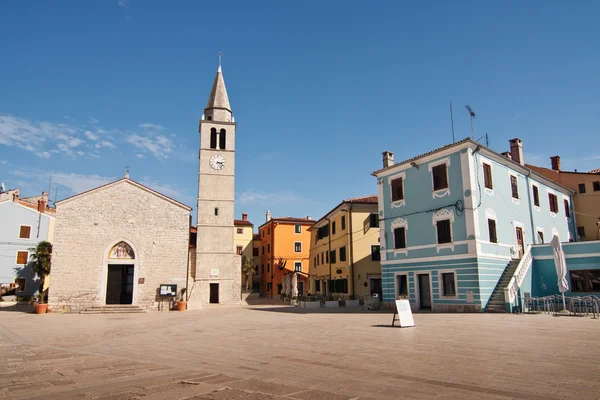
[288,285]
[295,285]
[561,268]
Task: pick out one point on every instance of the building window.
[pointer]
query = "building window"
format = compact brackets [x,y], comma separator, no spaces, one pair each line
[279,288]
[541,236]
[553,203]
[20,284]
[268,268]
[269,231]
[487,176]
[448,284]
[375,252]
[444,235]
[567,211]
[255,252]
[514,187]
[262,269]
[333,228]
[585,280]
[400,238]
[343,253]
[536,196]
[332,256]
[239,250]
[298,247]
[398,189]
[298,228]
[580,231]
[213,138]
[240,230]
[263,250]
[216,211]
[327,257]
[263,233]
[22,257]
[317,260]
[402,286]
[373,220]
[24,232]
[492,231]
[343,222]
[317,286]
[596,186]
[322,258]
[269,286]
[268,248]
[298,266]
[582,188]
[222,139]
[440,177]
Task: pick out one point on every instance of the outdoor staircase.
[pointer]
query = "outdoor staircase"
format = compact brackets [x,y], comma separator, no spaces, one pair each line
[114,309]
[496,302]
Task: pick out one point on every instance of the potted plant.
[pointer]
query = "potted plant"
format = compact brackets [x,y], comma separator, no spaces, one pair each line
[181,303]
[294,300]
[331,302]
[353,301]
[41,259]
[301,301]
[312,301]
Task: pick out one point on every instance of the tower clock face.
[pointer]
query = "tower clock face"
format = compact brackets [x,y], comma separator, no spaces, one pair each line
[217,162]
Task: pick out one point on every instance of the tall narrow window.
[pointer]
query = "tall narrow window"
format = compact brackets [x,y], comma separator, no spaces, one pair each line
[298,228]
[449,284]
[400,238]
[327,257]
[492,231]
[567,211]
[213,138]
[239,250]
[268,248]
[222,139]
[536,196]
[216,211]
[322,258]
[553,203]
[375,253]
[402,285]
[596,186]
[541,236]
[514,187]
[343,222]
[444,234]
[397,189]
[298,266]
[343,253]
[333,228]
[332,256]
[487,176]
[582,188]
[440,177]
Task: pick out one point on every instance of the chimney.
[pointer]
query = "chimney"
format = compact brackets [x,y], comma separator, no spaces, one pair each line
[516,150]
[268,215]
[388,159]
[308,217]
[555,163]
[506,154]
[244,217]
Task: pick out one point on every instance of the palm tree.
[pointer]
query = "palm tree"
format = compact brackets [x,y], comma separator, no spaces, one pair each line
[248,268]
[41,257]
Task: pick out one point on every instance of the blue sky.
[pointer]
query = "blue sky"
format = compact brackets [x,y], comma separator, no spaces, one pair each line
[319,89]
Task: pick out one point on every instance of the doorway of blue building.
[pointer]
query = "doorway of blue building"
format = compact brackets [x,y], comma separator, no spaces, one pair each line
[424,292]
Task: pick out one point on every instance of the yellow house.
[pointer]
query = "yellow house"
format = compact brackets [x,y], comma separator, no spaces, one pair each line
[586,201]
[344,252]
[243,235]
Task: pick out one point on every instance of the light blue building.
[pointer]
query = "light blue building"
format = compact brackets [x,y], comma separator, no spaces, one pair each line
[456,222]
[24,223]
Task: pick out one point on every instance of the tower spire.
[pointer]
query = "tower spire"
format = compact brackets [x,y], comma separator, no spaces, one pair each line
[218,108]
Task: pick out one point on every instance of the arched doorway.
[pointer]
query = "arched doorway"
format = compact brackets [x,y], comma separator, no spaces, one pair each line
[120,274]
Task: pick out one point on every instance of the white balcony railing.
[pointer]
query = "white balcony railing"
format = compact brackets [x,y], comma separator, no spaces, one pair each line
[512,289]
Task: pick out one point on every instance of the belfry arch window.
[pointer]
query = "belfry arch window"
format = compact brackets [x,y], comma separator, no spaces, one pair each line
[222,139]
[213,138]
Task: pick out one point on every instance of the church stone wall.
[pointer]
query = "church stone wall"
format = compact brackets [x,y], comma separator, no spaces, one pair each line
[88,225]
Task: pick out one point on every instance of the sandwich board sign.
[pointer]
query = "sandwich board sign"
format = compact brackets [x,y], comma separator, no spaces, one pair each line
[405,317]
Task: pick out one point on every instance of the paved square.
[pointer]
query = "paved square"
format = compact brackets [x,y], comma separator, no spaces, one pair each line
[274,352]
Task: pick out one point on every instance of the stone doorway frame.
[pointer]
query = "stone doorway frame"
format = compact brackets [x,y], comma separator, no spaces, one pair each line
[105,263]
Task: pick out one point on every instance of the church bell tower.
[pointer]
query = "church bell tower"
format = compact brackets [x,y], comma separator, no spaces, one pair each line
[217,277]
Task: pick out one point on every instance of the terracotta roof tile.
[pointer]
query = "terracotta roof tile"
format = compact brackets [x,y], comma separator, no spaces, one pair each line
[595,171]
[370,199]
[34,206]
[237,222]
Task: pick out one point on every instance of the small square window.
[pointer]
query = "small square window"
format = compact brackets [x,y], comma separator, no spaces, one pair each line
[596,186]
[298,228]
[298,266]
[582,188]
[240,230]
[20,284]
[298,247]
[373,220]
[25,232]
[449,284]
[22,257]
[440,177]
[239,250]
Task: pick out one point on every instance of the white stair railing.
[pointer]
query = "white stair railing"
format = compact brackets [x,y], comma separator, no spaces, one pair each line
[511,290]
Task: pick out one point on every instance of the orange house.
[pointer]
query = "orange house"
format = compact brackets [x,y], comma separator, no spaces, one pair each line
[284,248]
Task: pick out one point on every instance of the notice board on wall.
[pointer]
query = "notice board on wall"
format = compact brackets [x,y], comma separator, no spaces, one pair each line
[169,290]
[404,313]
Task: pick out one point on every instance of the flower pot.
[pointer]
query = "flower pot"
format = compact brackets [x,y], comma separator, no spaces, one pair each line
[312,304]
[293,302]
[352,303]
[301,303]
[181,305]
[332,304]
[41,308]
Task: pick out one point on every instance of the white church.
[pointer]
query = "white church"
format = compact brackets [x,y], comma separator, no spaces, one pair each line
[125,245]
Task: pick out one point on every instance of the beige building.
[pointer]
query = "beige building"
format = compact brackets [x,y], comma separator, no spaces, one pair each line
[345,252]
[117,244]
[586,201]
[217,276]
[242,240]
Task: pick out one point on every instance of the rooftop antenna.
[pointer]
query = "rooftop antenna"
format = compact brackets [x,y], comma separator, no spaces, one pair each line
[472,114]
[50,185]
[487,140]
[55,196]
[452,121]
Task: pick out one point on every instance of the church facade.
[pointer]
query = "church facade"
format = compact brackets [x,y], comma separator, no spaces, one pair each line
[117,244]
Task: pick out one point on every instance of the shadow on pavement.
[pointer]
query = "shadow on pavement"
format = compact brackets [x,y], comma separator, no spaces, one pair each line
[17,307]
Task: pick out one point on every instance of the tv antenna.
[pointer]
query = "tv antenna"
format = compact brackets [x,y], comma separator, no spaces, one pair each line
[472,114]
[452,121]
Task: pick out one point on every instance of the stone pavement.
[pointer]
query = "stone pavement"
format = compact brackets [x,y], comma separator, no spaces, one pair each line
[275,352]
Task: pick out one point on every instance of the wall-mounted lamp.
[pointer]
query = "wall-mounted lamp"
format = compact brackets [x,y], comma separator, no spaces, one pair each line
[477,149]
[414,164]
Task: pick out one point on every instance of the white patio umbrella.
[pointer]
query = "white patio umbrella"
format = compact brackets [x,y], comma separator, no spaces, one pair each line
[288,285]
[284,285]
[561,268]
[295,285]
